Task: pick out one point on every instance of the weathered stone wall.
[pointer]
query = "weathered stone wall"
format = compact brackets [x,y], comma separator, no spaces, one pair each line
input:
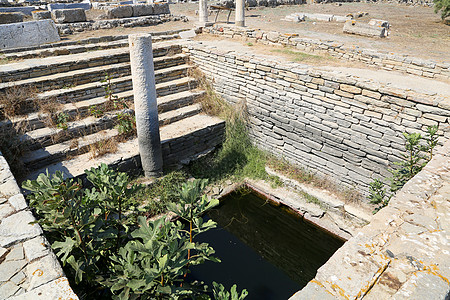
[334,124]
[24,34]
[28,267]
[385,61]
[403,253]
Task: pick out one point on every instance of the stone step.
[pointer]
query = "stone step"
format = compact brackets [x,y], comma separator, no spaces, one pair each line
[97,89]
[80,47]
[119,84]
[47,136]
[156,36]
[180,140]
[69,79]
[36,120]
[44,156]
[38,67]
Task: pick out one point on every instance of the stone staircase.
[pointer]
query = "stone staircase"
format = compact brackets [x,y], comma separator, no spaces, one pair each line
[71,111]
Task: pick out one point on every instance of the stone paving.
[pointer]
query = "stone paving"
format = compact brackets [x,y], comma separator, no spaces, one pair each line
[404,253]
[28,267]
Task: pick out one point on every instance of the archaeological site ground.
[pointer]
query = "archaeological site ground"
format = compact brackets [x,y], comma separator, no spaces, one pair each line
[257,149]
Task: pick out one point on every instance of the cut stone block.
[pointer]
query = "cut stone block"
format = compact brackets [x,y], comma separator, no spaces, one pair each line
[353,27]
[41,14]
[26,34]
[10,17]
[119,12]
[161,9]
[142,10]
[69,15]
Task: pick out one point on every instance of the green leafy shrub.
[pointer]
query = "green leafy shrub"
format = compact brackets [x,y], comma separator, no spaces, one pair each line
[443,6]
[107,245]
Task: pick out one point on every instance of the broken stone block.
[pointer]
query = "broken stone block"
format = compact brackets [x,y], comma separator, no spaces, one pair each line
[10,17]
[41,14]
[380,23]
[353,27]
[69,15]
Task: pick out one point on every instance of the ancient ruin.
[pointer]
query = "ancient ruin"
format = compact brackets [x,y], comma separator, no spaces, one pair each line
[338,90]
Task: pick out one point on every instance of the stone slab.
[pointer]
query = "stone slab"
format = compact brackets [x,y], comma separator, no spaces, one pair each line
[353,27]
[21,9]
[25,34]
[83,5]
[56,289]
[17,227]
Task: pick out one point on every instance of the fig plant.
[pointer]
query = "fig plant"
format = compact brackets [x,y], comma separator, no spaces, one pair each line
[105,243]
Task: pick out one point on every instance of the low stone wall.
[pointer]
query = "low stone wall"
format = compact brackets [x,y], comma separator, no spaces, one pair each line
[403,253]
[385,61]
[334,124]
[24,34]
[125,22]
[28,267]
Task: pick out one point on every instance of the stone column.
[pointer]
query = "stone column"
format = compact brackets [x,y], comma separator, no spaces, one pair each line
[202,12]
[145,106]
[240,13]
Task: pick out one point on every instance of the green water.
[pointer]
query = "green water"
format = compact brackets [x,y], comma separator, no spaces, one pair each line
[266,249]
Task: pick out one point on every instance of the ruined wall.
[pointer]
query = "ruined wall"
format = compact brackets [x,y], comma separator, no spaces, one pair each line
[336,125]
[383,60]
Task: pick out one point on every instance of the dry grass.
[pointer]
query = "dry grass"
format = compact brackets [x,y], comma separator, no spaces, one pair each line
[103,147]
[13,148]
[17,100]
[212,104]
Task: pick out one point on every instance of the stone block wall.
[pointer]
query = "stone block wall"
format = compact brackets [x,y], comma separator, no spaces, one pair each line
[336,125]
[382,60]
[28,267]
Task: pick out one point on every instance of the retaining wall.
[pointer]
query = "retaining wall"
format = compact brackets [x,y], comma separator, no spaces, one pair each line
[385,61]
[336,125]
[28,267]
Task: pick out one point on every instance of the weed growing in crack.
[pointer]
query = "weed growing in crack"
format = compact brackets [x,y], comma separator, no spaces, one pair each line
[419,151]
[62,120]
